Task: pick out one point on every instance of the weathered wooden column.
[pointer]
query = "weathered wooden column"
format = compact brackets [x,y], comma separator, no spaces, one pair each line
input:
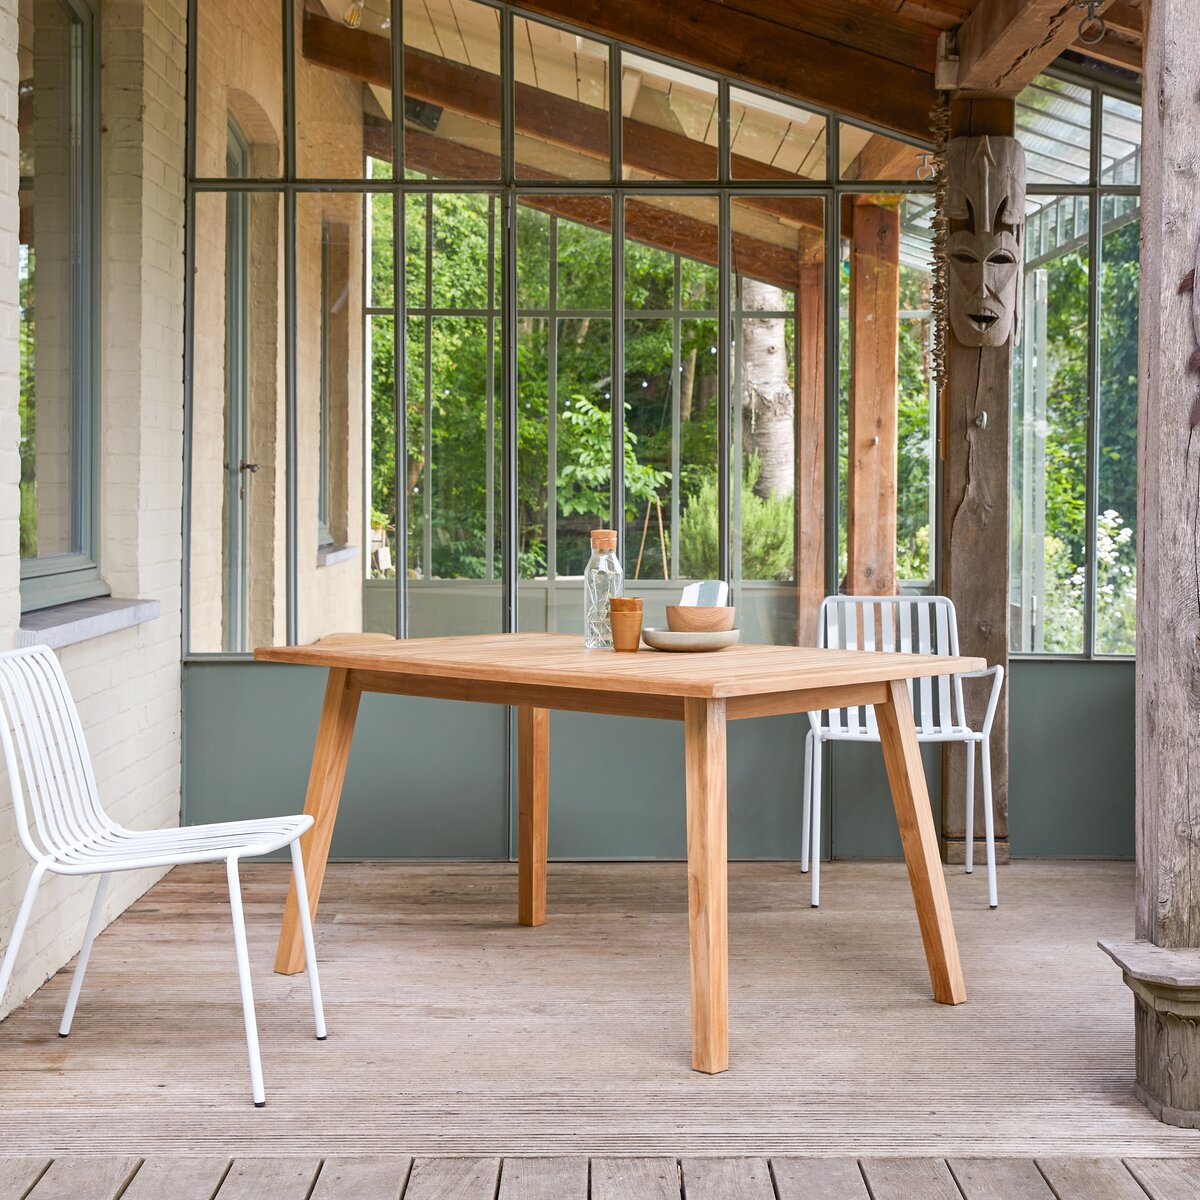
[1163,966]
[874,399]
[975,476]
[810,450]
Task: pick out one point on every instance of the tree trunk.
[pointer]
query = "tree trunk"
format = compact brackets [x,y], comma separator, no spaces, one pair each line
[768,402]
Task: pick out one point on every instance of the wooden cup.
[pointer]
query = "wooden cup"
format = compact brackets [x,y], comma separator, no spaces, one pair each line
[625,604]
[626,630]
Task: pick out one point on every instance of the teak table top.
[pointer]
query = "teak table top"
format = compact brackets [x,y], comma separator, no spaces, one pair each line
[560,661]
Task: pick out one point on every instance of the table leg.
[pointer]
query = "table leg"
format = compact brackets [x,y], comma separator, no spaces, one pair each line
[708,898]
[906,773]
[533,786]
[330,754]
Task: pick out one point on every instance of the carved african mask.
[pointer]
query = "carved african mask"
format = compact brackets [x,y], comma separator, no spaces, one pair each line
[986,210]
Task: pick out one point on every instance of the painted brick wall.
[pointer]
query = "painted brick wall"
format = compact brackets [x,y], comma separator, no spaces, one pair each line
[127,684]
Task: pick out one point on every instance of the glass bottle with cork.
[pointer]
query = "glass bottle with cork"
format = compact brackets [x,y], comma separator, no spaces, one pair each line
[603,578]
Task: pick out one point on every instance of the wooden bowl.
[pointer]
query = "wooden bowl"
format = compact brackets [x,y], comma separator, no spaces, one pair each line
[693,618]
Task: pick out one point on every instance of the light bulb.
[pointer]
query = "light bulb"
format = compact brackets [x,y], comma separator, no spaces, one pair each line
[353,15]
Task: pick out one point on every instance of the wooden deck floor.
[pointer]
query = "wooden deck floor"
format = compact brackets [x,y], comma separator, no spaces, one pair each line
[455,1032]
[402,1178]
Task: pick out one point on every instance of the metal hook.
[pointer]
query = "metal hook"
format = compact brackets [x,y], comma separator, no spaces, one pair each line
[1092,27]
[927,169]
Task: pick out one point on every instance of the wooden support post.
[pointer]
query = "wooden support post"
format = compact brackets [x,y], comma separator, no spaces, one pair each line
[975,507]
[810,450]
[1163,966]
[874,383]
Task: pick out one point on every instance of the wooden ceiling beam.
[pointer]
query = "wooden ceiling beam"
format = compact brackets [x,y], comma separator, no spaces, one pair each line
[1004,44]
[761,52]
[1125,18]
[1113,50]
[856,23]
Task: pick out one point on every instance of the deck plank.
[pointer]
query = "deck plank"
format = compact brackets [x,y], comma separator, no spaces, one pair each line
[1090,1179]
[544,1179]
[379,1178]
[86,1177]
[905,1178]
[1167,1178]
[279,1178]
[178,1178]
[18,1175]
[453,1179]
[819,1179]
[471,1035]
[635,1179]
[1000,1179]
[727,1179]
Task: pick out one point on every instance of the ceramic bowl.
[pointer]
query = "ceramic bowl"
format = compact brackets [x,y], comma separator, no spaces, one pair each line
[664,639]
[690,618]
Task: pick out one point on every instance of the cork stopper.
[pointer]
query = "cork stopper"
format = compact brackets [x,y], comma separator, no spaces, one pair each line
[604,539]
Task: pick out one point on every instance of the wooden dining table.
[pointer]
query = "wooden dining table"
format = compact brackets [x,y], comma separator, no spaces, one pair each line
[540,672]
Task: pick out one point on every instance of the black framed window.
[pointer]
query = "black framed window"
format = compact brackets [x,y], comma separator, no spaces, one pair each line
[57,273]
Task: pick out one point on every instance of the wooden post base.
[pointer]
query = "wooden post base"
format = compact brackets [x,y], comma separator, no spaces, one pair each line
[1166,990]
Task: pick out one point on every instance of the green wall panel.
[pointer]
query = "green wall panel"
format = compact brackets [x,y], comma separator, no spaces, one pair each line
[425,780]
[430,779]
[1071,759]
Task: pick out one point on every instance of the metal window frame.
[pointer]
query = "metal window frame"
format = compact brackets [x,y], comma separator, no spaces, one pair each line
[502,308]
[1094,191]
[62,578]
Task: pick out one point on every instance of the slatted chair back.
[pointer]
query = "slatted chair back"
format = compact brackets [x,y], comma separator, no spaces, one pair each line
[49,769]
[901,624]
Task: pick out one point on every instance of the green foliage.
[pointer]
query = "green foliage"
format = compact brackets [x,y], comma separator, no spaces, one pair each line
[766,531]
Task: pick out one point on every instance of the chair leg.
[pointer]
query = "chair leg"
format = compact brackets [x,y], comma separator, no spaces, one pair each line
[970,808]
[19,926]
[989,822]
[310,949]
[93,927]
[806,826]
[815,802]
[243,965]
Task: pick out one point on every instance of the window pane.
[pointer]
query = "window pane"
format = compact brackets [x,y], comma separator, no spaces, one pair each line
[1049,429]
[773,140]
[779,440]
[239,61]
[562,108]
[53,243]
[1116,481]
[237,592]
[330,375]
[343,87]
[564,388]
[379,590]
[452,89]
[866,155]
[1121,145]
[671,399]
[670,124]
[452,473]
[1054,123]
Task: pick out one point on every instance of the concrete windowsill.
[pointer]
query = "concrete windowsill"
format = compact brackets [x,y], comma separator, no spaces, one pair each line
[328,555]
[65,624]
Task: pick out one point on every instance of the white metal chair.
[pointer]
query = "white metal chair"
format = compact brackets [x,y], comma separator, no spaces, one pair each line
[912,624]
[50,776]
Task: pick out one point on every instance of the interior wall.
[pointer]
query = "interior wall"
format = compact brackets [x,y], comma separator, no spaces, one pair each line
[413,792]
[127,684]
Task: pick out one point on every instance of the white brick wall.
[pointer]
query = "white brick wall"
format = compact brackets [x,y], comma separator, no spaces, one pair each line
[127,684]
